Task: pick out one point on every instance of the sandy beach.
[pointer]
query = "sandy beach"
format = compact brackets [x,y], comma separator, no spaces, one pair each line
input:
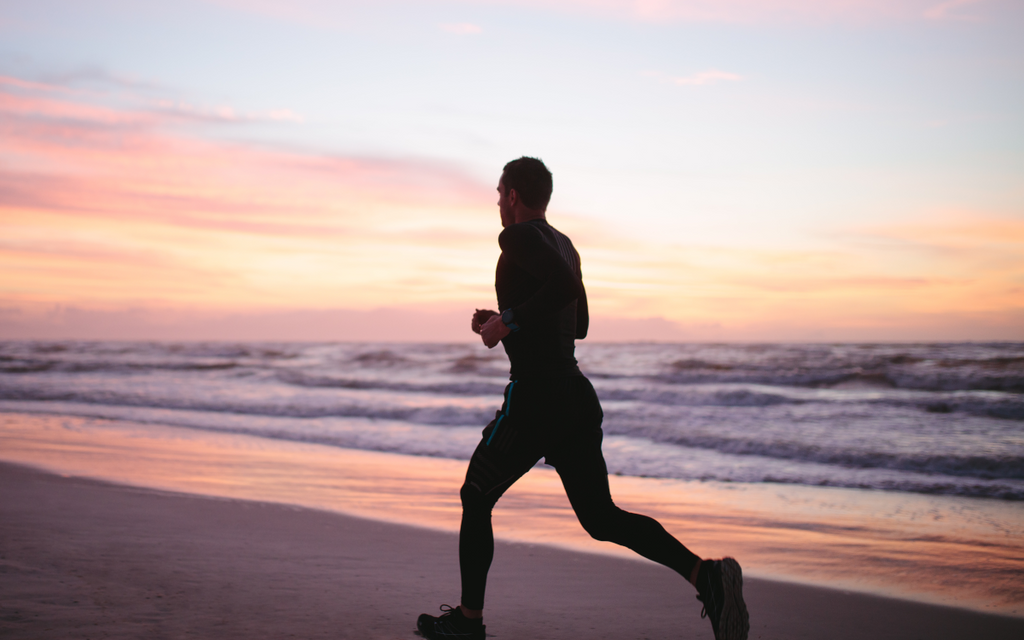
[937,550]
[87,559]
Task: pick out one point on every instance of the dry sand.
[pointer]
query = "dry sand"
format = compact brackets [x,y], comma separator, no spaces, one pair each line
[86,559]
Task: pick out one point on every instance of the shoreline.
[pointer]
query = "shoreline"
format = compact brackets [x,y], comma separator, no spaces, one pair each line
[888,545]
[84,557]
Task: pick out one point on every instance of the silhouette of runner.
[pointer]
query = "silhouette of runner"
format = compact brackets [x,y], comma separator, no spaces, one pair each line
[551,411]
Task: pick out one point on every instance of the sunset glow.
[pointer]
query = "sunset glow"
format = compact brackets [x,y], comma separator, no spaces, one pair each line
[777,170]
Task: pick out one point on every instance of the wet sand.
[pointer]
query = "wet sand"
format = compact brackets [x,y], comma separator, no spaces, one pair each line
[81,558]
[958,552]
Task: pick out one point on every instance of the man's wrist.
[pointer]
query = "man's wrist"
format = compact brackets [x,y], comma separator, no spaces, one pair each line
[508,318]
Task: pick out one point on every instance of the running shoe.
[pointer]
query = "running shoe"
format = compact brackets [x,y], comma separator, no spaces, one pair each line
[720,588]
[450,625]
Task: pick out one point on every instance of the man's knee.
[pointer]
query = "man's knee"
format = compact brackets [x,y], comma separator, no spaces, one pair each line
[602,523]
[473,498]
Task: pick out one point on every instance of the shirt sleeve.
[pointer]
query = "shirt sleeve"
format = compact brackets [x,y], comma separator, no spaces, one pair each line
[526,248]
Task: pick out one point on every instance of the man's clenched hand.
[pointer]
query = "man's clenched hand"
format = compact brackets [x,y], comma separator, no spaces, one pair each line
[493,331]
[480,317]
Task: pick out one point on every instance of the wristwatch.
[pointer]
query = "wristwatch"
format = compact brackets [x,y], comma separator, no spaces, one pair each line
[506,317]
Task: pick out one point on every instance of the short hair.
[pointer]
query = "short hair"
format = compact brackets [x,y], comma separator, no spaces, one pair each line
[531,180]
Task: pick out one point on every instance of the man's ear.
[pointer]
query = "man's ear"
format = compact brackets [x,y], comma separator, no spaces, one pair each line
[513,197]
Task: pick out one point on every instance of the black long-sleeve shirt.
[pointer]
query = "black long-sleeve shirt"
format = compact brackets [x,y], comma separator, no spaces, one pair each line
[539,278]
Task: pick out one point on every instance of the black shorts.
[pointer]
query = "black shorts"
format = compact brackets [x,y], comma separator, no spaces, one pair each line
[558,419]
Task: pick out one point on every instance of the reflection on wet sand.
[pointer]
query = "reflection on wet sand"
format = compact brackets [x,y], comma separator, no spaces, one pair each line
[955,551]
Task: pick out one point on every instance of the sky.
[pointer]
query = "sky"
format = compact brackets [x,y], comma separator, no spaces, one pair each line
[730,170]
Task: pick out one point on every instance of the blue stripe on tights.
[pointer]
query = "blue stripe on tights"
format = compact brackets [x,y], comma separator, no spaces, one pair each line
[508,409]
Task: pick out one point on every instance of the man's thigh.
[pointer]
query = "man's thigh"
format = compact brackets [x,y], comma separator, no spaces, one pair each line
[584,476]
[510,445]
[491,472]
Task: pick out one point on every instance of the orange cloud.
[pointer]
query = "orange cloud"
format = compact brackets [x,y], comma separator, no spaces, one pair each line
[943,277]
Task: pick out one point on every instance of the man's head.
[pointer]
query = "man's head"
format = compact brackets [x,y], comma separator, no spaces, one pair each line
[531,180]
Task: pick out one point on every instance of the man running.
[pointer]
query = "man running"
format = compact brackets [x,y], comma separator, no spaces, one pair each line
[551,411]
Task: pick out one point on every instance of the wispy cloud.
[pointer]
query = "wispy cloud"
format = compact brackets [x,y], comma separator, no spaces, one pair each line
[951,10]
[106,205]
[321,12]
[223,113]
[90,76]
[102,203]
[757,11]
[704,77]
[39,101]
[946,273]
[9,82]
[984,235]
[461,28]
[281,115]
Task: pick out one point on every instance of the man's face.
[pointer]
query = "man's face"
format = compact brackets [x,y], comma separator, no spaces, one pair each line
[505,206]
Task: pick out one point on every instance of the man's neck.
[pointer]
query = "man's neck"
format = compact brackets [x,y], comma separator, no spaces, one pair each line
[525,215]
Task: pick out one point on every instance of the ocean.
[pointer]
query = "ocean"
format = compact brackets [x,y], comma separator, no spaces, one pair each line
[941,419]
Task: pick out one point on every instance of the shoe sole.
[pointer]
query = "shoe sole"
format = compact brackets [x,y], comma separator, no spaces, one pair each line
[424,629]
[735,622]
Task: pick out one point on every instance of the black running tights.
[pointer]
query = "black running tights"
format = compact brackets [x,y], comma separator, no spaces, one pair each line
[585,478]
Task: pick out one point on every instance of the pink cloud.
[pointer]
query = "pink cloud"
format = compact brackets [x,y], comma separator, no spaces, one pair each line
[319,13]
[461,28]
[102,203]
[36,107]
[27,84]
[141,153]
[107,207]
[446,322]
[951,10]
[757,11]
